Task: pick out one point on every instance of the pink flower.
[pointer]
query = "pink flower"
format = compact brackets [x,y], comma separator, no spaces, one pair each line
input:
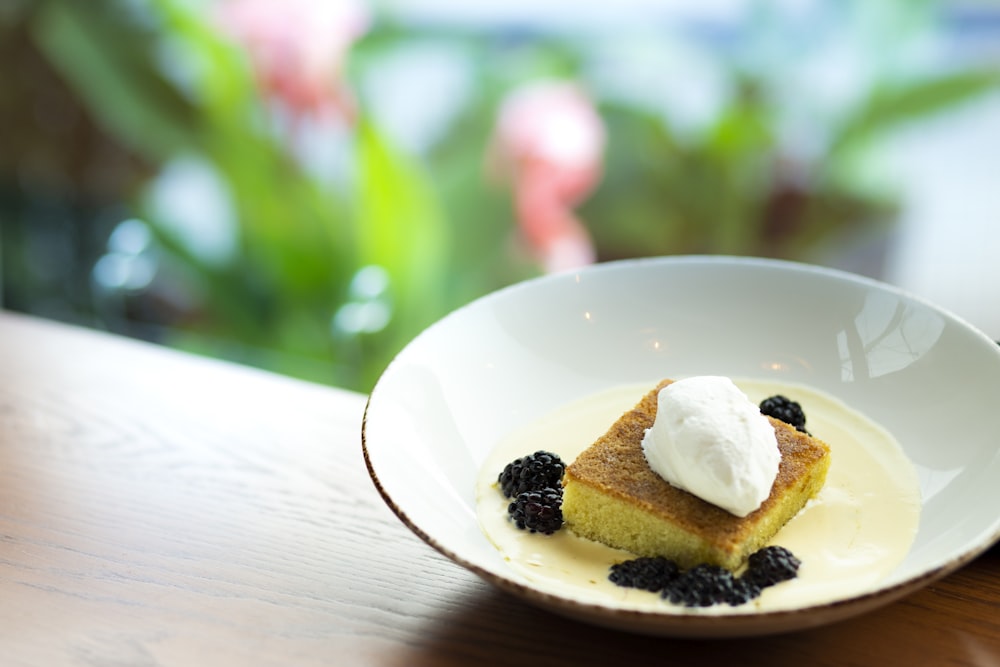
[297,49]
[549,142]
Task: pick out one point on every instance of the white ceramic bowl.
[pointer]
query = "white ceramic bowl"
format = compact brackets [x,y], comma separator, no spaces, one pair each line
[504,360]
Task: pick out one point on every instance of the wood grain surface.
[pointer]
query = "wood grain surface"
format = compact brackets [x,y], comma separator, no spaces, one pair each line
[158,508]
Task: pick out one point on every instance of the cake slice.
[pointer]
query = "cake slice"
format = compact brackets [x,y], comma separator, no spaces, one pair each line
[611,495]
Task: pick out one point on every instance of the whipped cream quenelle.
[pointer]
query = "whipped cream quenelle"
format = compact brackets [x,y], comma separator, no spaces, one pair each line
[712,441]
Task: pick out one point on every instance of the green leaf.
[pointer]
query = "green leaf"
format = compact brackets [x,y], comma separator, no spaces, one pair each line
[220,76]
[121,86]
[893,105]
[401,227]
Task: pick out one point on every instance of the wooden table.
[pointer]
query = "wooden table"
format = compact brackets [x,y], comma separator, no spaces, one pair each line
[163,509]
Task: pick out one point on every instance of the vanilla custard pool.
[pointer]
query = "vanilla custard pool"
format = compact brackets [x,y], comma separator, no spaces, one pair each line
[857,530]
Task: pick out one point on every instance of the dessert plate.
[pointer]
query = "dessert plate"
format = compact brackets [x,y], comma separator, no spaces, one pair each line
[507,359]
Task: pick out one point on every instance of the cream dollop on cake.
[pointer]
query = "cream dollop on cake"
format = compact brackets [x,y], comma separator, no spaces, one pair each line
[710,440]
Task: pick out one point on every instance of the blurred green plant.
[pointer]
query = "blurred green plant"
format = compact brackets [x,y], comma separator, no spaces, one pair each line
[781,167]
[301,237]
[331,270]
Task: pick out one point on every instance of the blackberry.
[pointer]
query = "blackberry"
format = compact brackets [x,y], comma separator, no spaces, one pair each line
[531,473]
[647,573]
[743,591]
[702,586]
[771,565]
[786,410]
[538,511]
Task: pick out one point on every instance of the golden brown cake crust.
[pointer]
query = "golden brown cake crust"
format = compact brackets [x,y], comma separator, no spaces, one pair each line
[616,467]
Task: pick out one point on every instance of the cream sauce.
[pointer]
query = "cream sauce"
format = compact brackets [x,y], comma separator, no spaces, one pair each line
[856,531]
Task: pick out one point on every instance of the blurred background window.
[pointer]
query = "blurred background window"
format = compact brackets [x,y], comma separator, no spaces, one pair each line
[303,185]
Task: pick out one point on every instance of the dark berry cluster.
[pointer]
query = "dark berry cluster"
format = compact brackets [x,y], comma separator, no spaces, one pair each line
[786,410]
[771,565]
[650,573]
[706,585]
[534,482]
[538,511]
[530,473]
